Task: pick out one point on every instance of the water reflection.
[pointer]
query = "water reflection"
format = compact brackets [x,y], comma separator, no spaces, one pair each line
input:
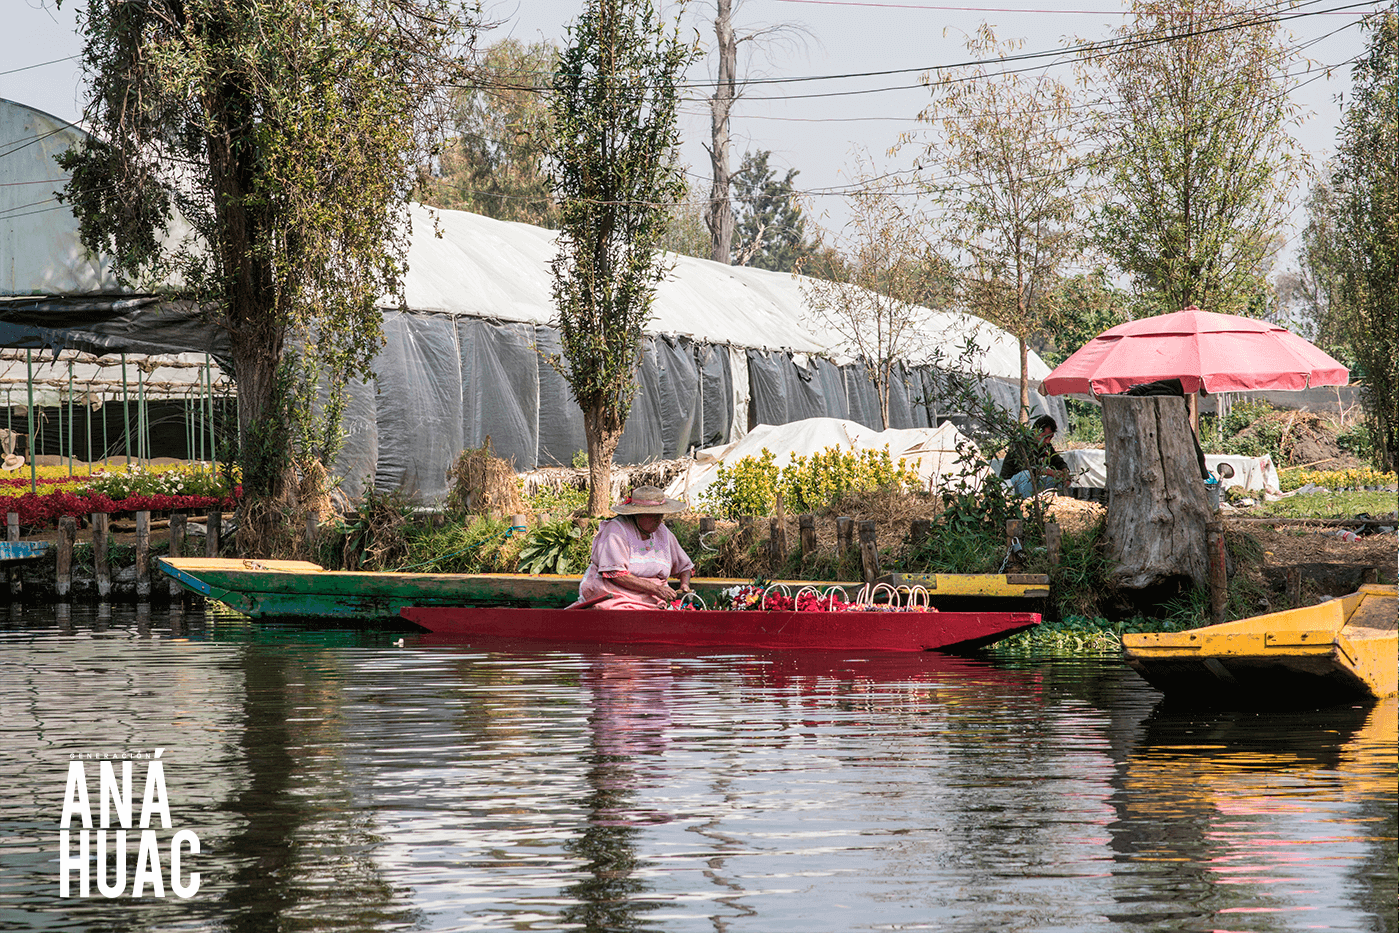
[339,780]
[629,724]
[1233,811]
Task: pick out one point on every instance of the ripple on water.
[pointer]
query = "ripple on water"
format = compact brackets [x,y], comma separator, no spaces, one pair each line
[338,780]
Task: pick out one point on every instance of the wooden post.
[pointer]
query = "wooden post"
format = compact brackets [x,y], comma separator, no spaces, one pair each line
[776,551]
[1052,540]
[845,533]
[67,534]
[779,539]
[1293,576]
[747,532]
[706,526]
[807,526]
[213,529]
[178,522]
[1015,544]
[1218,575]
[143,554]
[869,553]
[12,534]
[101,564]
[1369,575]
[312,523]
[918,531]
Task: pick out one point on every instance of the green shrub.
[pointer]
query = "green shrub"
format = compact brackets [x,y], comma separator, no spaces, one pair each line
[564,501]
[1335,480]
[1357,440]
[549,548]
[807,484]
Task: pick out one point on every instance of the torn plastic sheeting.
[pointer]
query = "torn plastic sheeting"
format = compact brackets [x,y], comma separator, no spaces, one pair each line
[681,405]
[716,394]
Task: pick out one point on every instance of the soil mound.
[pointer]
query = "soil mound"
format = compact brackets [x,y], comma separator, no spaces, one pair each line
[1304,438]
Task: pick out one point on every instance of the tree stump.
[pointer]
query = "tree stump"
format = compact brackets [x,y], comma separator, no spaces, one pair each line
[1157,506]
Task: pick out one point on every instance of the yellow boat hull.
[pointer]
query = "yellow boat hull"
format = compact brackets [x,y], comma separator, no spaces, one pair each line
[1338,651]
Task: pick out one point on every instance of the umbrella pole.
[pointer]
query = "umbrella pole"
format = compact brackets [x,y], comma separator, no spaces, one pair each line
[1195,413]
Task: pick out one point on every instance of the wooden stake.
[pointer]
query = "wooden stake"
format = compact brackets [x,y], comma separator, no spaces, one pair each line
[807,533]
[67,534]
[778,530]
[747,530]
[12,533]
[918,531]
[869,553]
[1218,575]
[1293,576]
[143,555]
[101,564]
[706,525]
[845,533]
[213,527]
[1015,538]
[178,521]
[1052,540]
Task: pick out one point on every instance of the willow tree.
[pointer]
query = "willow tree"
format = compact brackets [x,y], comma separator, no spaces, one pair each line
[257,158]
[615,171]
[1005,169]
[1195,151]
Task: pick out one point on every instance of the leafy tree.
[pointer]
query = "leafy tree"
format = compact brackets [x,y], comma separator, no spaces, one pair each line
[869,297]
[615,173]
[1086,303]
[771,226]
[1195,152]
[1006,168]
[686,233]
[493,165]
[1352,242]
[286,135]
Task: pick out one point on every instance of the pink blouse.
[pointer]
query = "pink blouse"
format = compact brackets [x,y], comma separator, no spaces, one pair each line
[619,546]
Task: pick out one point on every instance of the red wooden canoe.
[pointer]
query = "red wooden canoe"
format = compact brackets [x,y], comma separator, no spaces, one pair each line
[700,628]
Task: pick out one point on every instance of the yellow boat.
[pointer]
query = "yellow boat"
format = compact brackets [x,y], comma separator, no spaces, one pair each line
[1338,651]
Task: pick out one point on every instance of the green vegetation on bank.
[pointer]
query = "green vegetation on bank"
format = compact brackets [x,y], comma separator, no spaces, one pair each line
[967,536]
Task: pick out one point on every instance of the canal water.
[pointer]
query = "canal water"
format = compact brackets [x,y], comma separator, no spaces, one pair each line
[369,781]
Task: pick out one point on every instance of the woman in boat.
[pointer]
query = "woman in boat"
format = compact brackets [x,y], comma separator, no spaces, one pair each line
[635,555]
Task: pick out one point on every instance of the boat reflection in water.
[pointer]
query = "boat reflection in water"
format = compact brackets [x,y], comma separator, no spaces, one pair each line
[383,781]
[1244,813]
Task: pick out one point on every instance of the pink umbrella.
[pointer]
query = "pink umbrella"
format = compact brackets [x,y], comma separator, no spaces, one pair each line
[1204,350]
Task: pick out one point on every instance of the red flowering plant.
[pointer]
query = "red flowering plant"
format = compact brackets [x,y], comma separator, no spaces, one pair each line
[131,490]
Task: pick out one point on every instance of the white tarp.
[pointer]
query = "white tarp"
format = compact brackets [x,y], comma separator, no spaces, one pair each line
[932,452]
[1089,469]
[480,267]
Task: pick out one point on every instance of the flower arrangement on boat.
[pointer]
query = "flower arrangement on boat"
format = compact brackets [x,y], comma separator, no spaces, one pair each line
[775,597]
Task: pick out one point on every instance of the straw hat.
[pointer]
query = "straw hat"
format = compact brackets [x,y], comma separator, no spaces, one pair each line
[648,500]
[12,462]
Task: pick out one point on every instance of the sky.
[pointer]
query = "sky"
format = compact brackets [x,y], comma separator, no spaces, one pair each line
[817,127]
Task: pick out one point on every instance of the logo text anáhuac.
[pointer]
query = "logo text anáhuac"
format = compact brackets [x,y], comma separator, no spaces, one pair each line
[108,839]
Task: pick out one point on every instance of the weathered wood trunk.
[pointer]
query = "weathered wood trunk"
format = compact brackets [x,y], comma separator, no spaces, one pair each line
[1157,507]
